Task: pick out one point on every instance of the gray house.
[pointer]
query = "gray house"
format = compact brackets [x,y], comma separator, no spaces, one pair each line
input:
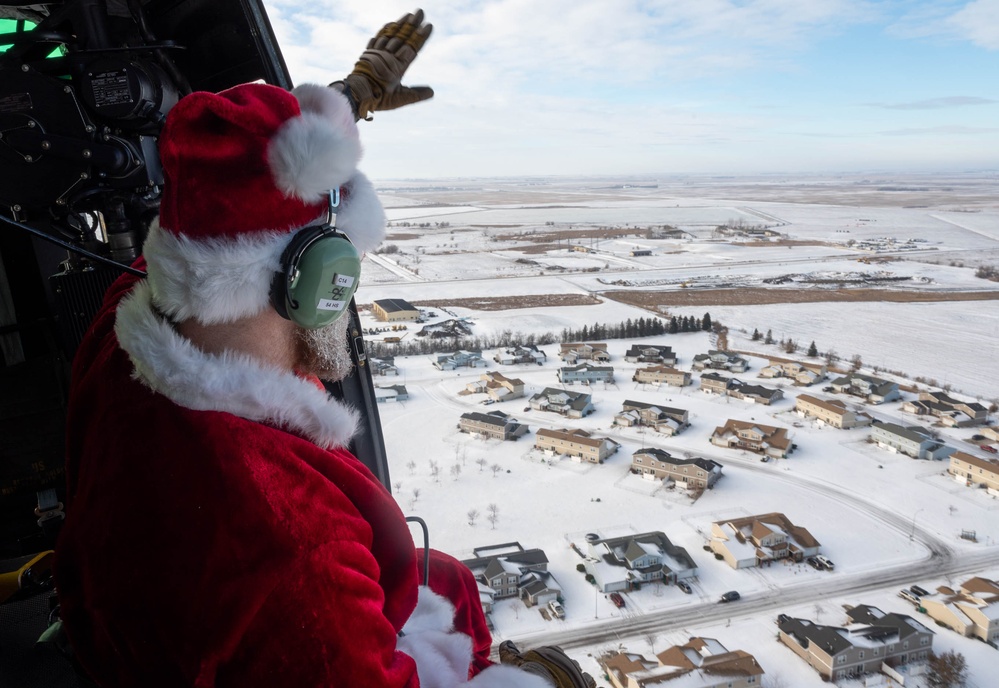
[585,373]
[656,464]
[650,353]
[511,571]
[912,441]
[460,359]
[624,563]
[568,404]
[721,360]
[872,389]
[664,419]
[757,394]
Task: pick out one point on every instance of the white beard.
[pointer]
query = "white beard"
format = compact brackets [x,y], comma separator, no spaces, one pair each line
[324,352]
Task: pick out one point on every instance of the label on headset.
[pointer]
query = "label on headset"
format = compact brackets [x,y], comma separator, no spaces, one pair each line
[330,305]
[343,281]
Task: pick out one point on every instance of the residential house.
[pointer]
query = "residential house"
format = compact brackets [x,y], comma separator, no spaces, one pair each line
[521,354]
[391,393]
[871,641]
[563,402]
[626,562]
[991,432]
[585,373]
[511,571]
[951,412]
[721,360]
[760,540]
[757,394]
[699,663]
[912,441]
[573,352]
[383,367]
[497,386]
[495,424]
[460,359]
[803,374]
[972,611]
[576,443]
[713,383]
[650,353]
[830,412]
[873,390]
[394,310]
[657,464]
[754,437]
[662,375]
[669,421]
[974,470]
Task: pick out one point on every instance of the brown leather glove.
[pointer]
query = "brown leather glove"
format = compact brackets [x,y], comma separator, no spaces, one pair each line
[549,662]
[375,84]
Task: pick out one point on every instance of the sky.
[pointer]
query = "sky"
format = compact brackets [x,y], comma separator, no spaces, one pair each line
[672,87]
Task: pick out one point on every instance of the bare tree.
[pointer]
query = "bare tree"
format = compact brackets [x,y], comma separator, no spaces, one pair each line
[397,485]
[482,463]
[472,515]
[493,514]
[411,465]
[456,471]
[435,471]
[416,494]
[496,468]
[856,362]
[948,670]
[651,637]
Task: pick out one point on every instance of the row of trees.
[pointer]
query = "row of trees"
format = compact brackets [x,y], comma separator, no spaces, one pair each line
[643,327]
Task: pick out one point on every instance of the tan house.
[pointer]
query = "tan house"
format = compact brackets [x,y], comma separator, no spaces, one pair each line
[760,540]
[664,419]
[974,470]
[754,437]
[871,640]
[830,412]
[801,373]
[393,310]
[497,386]
[950,412]
[700,663]
[496,424]
[758,394]
[576,443]
[713,383]
[573,352]
[662,375]
[972,611]
[656,464]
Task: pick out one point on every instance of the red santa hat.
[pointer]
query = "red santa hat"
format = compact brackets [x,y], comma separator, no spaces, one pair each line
[244,169]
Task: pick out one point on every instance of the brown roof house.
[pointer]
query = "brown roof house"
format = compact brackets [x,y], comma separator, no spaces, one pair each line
[872,641]
[801,373]
[755,540]
[754,437]
[576,443]
[699,663]
[662,375]
[573,352]
[830,412]
[495,424]
[950,412]
[974,470]
[498,386]
[972,611]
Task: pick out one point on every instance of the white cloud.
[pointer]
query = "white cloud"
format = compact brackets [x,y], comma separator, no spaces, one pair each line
[978,21]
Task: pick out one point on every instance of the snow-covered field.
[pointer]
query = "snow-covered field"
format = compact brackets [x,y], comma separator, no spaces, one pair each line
[877,514]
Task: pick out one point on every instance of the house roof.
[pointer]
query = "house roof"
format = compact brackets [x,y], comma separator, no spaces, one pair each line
[664,410]
[913,433]
[758,391]
[395,305]
[830,639]
[589,367]
[990,465]
[665,370]
[748,525]
[665,457]
[575,435]
[497,418]
[833,405]
[641,349]
[572,346]
[627,548]
[904,626]
[775,437]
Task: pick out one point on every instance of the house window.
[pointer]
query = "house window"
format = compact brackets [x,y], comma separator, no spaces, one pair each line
[841,659]
[924,641]
[905,645]
[861,656]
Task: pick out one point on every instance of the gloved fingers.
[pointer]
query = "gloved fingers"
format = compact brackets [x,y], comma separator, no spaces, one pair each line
[406,95]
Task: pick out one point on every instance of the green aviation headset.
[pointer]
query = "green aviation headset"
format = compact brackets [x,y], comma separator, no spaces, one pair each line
[319,273]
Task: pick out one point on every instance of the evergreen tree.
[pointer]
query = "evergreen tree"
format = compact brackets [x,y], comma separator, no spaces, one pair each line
[674,326]
[706,322]
[812,351]
[769,339]
[584,335]
[658,326]
[756,335]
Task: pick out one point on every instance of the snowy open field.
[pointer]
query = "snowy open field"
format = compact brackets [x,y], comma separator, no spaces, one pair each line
[878,515]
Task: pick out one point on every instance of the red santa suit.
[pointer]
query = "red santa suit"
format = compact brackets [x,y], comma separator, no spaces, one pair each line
[218,532]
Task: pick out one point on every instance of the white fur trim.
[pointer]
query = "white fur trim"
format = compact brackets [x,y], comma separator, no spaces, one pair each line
[443,656]
[362,218]
[317,151]
[212,280]
[233,383]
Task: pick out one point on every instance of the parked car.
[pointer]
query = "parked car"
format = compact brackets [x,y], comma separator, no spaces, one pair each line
[781,618]
[922,592]
[989,448]
[617,600]
[764,458]
[527,408]
[730,596]
[978,437]
[487,402]
[825,561]
[814,563]
[684,586]
[907,594]
[556,609]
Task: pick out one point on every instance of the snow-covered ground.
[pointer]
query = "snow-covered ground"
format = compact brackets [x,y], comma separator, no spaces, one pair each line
[877,514]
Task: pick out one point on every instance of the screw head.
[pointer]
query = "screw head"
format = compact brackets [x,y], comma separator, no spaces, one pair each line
[86,154]
[28,158]
[46,145]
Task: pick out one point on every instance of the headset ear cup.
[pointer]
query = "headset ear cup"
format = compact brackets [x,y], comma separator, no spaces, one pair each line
[320,273]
